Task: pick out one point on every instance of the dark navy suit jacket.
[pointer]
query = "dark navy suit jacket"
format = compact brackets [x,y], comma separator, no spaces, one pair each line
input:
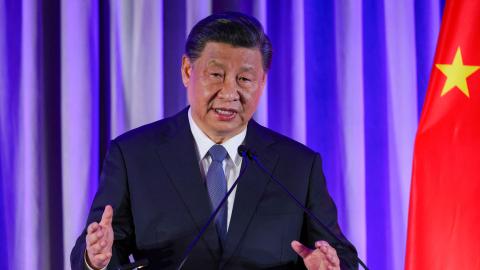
[151,177]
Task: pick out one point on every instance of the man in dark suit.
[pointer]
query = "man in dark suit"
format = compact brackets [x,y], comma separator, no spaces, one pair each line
[160,182]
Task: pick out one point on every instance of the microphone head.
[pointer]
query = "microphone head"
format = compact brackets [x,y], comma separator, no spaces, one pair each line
[242,150]
[246,152]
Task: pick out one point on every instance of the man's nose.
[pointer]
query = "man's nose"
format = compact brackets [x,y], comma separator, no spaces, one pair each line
[230,89]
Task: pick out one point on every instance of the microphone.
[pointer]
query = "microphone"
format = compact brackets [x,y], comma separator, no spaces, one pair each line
[252,156]
[244,151]
[214,213]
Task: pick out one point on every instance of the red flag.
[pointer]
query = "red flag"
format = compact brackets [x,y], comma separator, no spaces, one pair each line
[444,215]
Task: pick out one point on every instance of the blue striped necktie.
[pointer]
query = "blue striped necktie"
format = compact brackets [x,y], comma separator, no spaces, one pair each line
[217,187]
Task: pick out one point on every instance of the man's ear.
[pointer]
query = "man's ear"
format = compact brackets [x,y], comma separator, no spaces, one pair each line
[264,80]
[186,70]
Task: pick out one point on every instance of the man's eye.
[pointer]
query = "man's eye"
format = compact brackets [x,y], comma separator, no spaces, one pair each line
[216,75]
[244,79]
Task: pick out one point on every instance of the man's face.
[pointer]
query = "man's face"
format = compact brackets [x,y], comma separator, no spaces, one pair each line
[224,86]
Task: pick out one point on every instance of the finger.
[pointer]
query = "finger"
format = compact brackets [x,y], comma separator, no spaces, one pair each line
[99,247]
[321,243]
[107,216]
[329,252]
[92,227]
[92,239]
[102,259]
[99,233]
[95,249]
[323,246]
[96,236]
[333,257]
[103,243]
[333,260]
[300,249]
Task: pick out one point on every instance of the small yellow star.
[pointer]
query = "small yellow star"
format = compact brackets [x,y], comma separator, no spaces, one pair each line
[457,74]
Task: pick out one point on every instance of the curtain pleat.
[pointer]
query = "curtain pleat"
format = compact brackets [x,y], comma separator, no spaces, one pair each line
[80,109]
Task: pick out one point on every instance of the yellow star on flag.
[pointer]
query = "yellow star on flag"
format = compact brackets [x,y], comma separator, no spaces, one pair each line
[457,74]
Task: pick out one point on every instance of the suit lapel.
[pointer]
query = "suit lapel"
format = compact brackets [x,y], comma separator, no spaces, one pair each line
[250,187]
[178,156]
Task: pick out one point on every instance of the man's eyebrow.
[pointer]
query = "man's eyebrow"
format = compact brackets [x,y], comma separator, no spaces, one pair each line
[214,62]
[246,68]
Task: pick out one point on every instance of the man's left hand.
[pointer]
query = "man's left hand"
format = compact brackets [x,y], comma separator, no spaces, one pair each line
[323,257]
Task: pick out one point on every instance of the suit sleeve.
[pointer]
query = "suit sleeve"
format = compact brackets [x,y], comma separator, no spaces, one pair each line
[322,205]
[112,190]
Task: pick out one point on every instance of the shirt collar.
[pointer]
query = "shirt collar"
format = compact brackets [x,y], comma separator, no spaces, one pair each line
[204,143]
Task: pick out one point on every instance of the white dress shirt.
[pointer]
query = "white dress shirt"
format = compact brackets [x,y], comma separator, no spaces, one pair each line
[231,164]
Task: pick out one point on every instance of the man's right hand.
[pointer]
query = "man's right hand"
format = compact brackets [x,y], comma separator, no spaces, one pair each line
[99,240]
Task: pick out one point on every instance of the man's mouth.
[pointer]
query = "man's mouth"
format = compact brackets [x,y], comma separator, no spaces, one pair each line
[225,114]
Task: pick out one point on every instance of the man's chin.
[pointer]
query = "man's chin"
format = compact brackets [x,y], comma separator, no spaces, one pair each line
[227,132]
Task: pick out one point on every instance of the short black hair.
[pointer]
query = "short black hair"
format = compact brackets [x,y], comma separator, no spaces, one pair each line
[234,28]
